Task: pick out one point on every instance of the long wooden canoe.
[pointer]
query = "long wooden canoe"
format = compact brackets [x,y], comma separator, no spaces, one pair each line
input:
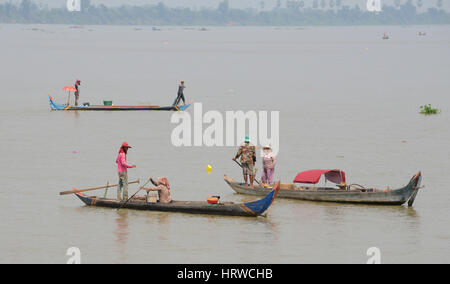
[56,106]
[250,209]
[406,194]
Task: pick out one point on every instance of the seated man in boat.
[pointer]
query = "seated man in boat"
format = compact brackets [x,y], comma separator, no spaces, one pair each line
[162,186]
[247,152]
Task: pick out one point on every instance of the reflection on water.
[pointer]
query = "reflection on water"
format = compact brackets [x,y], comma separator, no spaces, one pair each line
[121,233]
[163,220]
[411,212]
[270,228]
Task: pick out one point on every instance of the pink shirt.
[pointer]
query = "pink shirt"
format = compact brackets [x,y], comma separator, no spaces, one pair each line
[121,161]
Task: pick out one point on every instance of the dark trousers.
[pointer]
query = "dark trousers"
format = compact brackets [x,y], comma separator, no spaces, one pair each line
[179,97]
[182,98]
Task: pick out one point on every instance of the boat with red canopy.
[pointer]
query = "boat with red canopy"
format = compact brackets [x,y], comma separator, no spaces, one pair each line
[340,192]
[313,176]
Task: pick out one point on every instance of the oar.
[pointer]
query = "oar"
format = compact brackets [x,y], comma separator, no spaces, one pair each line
[240,165]
[75,190]
[134,194]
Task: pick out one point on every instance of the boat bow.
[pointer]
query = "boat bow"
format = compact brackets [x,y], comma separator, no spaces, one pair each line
[260,206]
[86,200]
[54,105]
[415,184]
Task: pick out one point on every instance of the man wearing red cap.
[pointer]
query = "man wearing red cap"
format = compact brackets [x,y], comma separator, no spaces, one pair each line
[77,92]
[122,167]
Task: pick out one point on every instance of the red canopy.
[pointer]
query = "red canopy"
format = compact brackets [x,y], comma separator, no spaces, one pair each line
[69,88]
[313,176]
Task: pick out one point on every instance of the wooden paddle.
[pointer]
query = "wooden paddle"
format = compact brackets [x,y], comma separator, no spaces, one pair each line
[75,190]
[142,187]
[240,165]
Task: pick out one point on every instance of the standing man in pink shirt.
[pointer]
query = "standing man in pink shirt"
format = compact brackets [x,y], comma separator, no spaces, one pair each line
[77,92]
[122,167]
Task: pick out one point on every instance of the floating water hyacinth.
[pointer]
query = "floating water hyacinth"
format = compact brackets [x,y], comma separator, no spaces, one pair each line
[427,110]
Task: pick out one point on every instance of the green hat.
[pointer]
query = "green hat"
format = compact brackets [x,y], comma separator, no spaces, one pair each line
[247,139]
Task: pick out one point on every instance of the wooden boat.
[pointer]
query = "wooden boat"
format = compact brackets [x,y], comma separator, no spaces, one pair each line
[56,106]
[340,194]
[250,209]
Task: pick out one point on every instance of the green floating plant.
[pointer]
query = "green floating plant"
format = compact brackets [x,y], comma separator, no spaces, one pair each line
[427,110]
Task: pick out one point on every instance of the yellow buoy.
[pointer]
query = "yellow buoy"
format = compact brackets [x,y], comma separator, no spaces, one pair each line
[208,169]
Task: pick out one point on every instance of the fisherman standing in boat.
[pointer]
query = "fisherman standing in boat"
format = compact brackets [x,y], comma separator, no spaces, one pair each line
[247,152]
[122,169]
[77,92]
[180,95]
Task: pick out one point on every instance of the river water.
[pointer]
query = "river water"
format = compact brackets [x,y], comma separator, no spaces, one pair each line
[346,99]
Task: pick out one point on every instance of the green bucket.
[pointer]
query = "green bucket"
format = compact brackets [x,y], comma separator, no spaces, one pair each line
[107,103]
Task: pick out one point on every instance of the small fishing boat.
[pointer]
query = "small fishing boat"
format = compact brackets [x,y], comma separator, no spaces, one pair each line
[385,36]
[56,106]
[342,193]
[250,209]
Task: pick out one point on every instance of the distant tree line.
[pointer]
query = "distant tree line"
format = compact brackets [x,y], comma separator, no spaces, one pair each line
[285,13]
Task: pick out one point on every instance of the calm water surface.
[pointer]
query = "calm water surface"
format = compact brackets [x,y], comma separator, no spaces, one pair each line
[347,100]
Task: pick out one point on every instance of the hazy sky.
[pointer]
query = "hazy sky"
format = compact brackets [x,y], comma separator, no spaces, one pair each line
[269,4]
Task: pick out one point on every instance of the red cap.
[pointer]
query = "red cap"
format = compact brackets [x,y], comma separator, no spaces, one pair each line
[125,145]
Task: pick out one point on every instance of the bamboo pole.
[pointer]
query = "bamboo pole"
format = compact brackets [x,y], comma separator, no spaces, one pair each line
[75,190]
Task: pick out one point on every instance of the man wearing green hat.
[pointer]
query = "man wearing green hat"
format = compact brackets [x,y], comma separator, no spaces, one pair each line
[247,152]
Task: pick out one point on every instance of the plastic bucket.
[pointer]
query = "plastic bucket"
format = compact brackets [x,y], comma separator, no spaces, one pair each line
[107,103]
[213,199]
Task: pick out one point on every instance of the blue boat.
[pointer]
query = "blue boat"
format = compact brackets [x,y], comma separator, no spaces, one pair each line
[65,107]
[249,209]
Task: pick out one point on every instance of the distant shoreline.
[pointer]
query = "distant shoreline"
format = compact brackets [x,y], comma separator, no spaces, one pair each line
[198,27]
[160,15]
